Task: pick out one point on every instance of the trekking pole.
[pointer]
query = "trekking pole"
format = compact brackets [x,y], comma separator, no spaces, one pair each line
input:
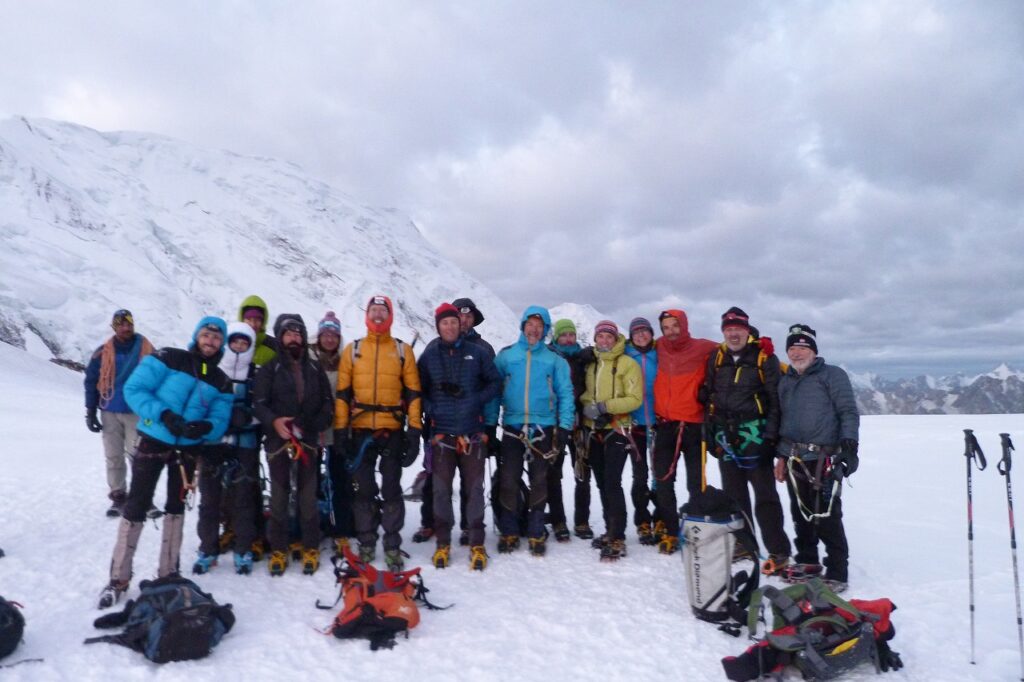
[1004,469]
[971,451]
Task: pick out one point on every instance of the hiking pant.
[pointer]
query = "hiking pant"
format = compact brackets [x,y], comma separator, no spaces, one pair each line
[510,474]
[828,529]
[150,459]
[608,452]
[556,507]
[427,515]
[471,472]
[767,506]
[640,491]
[581,494]
[668,442]
[119,437]
[389,448]
[341,493]
[233,478]
[281,467]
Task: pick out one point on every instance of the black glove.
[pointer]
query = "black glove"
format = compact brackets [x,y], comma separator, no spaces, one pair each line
[594,410]
[493,444]
[847,457]
[92,421]
[197,429]
[562,438]
[412,447]
[341,442]
[175,423]
[887,658]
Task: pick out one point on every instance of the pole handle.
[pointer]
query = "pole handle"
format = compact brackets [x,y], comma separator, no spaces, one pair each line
[972,451]
[1006,462]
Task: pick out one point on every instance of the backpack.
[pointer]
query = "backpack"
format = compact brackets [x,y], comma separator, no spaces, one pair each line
[172,620]
[12,626]
[711,526]
[818,632]
[378,605]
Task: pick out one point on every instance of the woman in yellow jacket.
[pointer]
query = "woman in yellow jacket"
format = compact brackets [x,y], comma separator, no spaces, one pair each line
[614,388]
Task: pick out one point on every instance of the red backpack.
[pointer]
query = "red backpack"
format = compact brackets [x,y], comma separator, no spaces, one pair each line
[377,605]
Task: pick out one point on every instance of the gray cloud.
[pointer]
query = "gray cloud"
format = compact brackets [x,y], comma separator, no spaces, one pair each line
[855,166]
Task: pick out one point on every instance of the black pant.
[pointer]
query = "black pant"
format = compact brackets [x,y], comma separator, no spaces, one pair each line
[446,459]
[510,474]
[235,477]
[366,450]
[828,529]
[640,492]
[556,506]
[282,468]
[767,506]
[581,494]
[667,445]
[608,452]
[427,506]
[341,493]
[151,457]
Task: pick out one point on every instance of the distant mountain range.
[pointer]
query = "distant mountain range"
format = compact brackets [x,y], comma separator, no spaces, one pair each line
[997,392]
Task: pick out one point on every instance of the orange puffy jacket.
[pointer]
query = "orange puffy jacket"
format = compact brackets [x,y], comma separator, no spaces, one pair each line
[681,368]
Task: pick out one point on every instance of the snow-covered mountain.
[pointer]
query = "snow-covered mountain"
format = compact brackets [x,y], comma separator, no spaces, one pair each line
[999,391]
[91,222]
[586,318]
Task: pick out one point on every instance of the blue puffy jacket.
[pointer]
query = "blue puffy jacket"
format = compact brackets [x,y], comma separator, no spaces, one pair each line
[493,408]
[648,361]
[538,387]
[185,383]
[457,381]
[818,407]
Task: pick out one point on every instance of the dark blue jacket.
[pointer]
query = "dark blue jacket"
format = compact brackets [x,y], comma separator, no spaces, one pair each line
[126,359]
[817,406]
[185,383]
[493,408]
[457,381]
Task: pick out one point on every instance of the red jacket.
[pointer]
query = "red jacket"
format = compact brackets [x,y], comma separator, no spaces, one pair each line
[681,368]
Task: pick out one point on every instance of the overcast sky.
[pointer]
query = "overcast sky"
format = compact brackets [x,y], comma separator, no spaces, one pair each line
[856,166]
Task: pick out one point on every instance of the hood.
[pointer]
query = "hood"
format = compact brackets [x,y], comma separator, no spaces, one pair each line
[684,326]
[385,326]
[255,301]
[218,322]
[530,312]
[236,365]
[282,320]
[616,350]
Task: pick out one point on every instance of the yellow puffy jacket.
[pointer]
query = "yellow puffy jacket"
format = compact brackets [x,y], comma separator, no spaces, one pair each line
[378,385]
[614,379]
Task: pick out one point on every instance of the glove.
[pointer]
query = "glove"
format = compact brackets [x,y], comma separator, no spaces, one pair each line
[594,410]
[412,447]
[847,457]
[175,423]
[493,444]
[197,429]
[562,438]
[92,421]
[887,658]
[341,442]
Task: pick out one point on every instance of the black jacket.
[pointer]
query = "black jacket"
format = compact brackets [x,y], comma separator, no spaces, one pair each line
[735,390]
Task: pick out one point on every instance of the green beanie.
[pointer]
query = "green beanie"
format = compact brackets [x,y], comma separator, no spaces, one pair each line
[563,326]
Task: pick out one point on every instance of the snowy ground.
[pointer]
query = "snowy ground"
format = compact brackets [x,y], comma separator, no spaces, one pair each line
[566,616]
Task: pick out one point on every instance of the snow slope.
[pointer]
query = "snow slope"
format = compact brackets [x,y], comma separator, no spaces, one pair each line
[563,617]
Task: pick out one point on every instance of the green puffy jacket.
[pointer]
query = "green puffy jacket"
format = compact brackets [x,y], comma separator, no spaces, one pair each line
[266,345]
[614,379]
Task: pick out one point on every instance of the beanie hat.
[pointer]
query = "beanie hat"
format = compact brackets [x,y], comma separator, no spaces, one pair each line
[445,310]
[562,326]
[466,305]
[640,323]
[330,323]
[253,311]
[803,336]
[735,317]
[122,315]
[606,326]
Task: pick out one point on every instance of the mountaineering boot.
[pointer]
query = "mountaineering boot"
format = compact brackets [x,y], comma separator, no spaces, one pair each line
[295,549]
[277,563]
[583,531]
[393,560]
[645,534]
[310,560]
[799,573]
[226,540]
[658,531]
[423,534]
[117,499]
[340,545]
[153,512]
[599,542]
[124,552]
[668,545]
[477,557]
[243,563]
[257,550]
[741,553]
[110,594]
[367,553]
[203,564]
[442,556]
[170,544]
[508,544]
[464,538]
[561,532]
[538,546]
[613,551]
[774,564]
[837,586]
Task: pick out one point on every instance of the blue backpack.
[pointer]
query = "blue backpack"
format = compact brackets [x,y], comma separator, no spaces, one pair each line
[172,620]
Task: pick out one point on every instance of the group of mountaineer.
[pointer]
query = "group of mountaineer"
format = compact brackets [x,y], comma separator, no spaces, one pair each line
[329,417]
